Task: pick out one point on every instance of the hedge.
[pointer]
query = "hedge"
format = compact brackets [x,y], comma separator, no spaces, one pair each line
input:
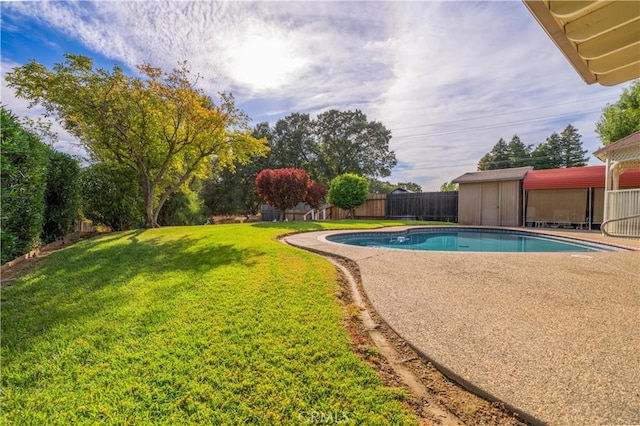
[24,162]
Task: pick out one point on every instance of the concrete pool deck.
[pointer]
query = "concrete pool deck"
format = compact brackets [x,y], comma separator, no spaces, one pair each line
[556,335]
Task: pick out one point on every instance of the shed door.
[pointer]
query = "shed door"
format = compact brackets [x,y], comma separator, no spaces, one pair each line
[490,204]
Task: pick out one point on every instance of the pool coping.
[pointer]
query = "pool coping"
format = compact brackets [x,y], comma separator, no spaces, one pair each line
[396,309]
[560,236]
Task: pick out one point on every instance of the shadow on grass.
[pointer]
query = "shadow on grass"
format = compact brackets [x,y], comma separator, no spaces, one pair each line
[97,277]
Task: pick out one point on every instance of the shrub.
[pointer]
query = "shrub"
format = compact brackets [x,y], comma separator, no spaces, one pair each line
[282,188]
[24,175]
[182,208]
[348,191]
[316,194]
[62,195]
[112,196]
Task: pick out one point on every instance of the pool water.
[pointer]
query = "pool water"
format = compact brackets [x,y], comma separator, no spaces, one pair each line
[476,240]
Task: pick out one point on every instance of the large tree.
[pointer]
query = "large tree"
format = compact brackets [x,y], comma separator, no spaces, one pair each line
[571,148]
[622,118]
[560,150]
[519,153]
[548,155]
[348,143]
[159,125]
[292,142]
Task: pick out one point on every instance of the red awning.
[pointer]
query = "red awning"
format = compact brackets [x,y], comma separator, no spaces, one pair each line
[577,177]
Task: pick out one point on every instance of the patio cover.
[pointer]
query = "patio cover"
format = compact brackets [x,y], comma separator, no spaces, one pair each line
[577,177]
[601,39]
[625,150]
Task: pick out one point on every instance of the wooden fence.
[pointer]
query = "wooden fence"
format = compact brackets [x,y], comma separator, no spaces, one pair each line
[441,206]
[84,226]
[373,208]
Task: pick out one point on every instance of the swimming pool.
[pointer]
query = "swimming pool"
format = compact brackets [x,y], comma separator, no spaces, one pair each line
[469,239]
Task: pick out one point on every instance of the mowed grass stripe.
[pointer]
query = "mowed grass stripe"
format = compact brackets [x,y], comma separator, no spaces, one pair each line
[200,325]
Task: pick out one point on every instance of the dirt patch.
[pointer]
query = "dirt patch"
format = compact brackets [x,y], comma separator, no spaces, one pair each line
[15,268]
[222,220]
[434,398]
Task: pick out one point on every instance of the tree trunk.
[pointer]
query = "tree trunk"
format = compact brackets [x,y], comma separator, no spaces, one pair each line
[151,220]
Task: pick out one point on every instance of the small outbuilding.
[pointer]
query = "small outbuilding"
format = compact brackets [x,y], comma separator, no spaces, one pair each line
[491,197]
[400,190]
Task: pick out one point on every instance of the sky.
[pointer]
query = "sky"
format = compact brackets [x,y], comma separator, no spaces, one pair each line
[448,78]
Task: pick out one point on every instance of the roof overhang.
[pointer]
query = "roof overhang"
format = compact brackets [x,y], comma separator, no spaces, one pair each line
[601,39]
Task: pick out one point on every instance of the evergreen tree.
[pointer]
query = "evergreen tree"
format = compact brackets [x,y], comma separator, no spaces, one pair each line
[540,157]
[497,158]
[519,153]
[560,150]
[548,155]
[571,148]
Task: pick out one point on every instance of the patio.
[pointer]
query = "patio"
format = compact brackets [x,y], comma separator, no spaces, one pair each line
[553,334]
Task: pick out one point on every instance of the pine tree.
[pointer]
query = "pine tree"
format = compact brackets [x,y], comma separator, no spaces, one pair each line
[498,158]
[540,157]
[519,153]
[571,148]
[560,150]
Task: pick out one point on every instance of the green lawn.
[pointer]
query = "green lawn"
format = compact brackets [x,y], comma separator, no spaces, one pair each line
[210,324]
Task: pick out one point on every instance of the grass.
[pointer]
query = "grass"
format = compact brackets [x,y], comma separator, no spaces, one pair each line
[189,325]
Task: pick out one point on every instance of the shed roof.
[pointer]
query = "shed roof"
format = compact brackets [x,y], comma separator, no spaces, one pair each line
[517,173]
[577,177]
[400,190]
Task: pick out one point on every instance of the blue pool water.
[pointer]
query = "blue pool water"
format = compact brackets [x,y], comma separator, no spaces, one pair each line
[469,239]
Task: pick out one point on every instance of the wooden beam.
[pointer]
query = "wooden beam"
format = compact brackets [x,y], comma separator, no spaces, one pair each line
[555,31]
[610,42]
[603,20]
[617,60]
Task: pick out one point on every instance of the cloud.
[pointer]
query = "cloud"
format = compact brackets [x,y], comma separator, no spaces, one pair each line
[448,78]
[463,73]
[20,108]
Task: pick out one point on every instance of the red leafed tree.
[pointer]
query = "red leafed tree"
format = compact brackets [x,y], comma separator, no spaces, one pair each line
[282,188]
[316,194]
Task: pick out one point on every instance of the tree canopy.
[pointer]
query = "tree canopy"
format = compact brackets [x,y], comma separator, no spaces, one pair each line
[622,118]
[283,188]
[448,187]
[348,191]
[558,150]
[334,143]
[497,158]
[348,143]
[384,187]
[158,125]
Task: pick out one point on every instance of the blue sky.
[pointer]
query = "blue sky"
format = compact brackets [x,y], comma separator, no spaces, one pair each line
[448,78]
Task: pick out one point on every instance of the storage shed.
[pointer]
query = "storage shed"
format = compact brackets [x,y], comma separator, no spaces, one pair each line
[570,197]
[491,197]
